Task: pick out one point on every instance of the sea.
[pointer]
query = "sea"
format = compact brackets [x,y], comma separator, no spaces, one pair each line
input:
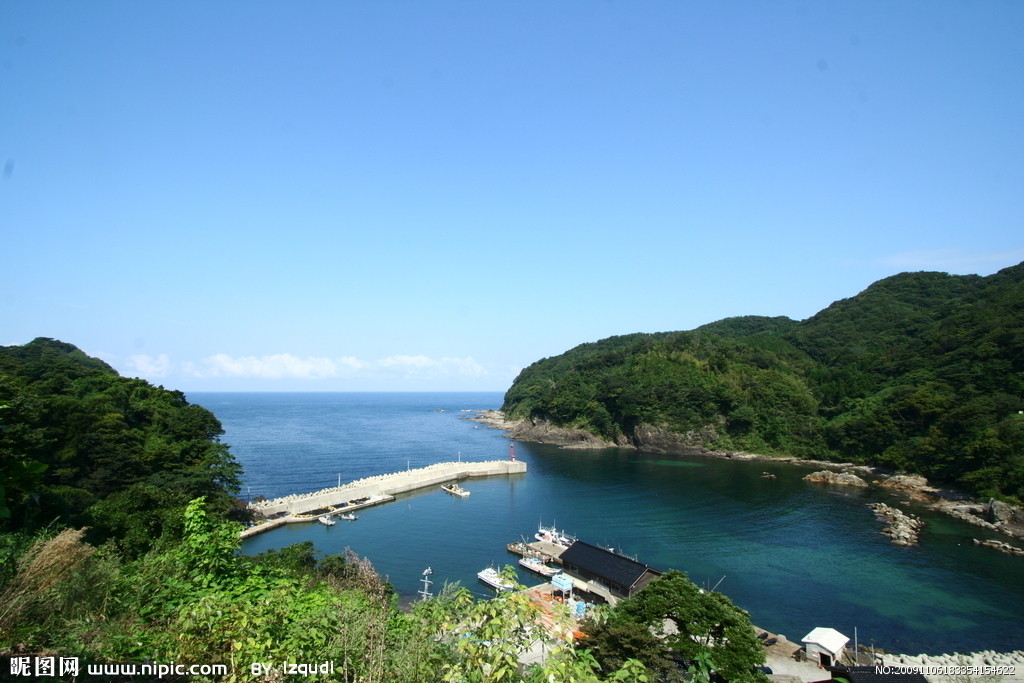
[794,555]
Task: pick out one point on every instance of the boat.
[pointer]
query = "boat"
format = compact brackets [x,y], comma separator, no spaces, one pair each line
[349,516]
[326,521]
[537,565]
[455,490]
[492,578]
[553,535]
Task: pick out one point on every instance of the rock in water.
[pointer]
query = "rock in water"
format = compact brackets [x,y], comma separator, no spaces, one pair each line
[907,482]
[1003,514]
[836,478]
[1001,547]
[903,529]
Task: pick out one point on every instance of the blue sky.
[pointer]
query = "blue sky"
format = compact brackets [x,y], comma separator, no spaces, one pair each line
[433,195]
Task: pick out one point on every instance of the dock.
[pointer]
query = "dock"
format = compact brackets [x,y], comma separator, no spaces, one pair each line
[544,550]
[552,554]
[361,493]
[601,572]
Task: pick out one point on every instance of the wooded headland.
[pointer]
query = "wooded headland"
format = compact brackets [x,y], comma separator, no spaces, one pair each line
[920,373]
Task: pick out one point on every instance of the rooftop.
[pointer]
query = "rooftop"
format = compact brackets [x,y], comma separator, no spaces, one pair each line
[605,564]
[828,638]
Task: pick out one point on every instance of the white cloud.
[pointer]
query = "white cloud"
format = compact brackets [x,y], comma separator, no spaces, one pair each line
[350,363]
[422,366]
[466,366]
[286,365]
[955,260]
[274,366]
[150,366]
[406,362]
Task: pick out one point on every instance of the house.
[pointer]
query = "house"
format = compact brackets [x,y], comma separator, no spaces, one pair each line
[825,646]
[622,576]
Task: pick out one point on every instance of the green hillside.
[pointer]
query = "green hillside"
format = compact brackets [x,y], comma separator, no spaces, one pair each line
[80,444]
[922,372]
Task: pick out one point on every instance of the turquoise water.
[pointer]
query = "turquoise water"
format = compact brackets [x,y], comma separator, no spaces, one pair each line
[794,555]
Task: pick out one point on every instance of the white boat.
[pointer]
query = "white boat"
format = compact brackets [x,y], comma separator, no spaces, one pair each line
[553,535]
[492,578]
[325,520]
[455,490]
[538,566]
[349,516]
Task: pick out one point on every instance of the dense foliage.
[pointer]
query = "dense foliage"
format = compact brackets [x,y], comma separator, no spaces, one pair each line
[677,631]
[200,602]
[921,372]
[81,445]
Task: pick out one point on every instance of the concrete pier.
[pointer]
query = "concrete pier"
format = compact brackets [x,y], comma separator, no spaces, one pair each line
[374,490]
[549,552]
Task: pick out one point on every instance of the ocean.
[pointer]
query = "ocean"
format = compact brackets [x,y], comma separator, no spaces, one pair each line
[794,555]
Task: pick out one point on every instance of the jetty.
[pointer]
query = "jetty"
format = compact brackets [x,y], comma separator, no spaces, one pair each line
[542,550]
[361,493]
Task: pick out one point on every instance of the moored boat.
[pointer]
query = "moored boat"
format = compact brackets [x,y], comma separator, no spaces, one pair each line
[553,535]
[493,578]
[326,521]
[536,565]
[455,490]
[349,516]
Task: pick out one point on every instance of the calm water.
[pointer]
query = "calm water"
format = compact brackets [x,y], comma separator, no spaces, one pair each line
[794,555]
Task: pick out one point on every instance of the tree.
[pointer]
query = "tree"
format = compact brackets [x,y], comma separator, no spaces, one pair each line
[73,434]
[693,625]
[613,642]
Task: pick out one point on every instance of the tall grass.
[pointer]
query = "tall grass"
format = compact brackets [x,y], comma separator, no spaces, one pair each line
[44,565]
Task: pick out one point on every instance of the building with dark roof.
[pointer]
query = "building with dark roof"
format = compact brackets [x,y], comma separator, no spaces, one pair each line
[622,576]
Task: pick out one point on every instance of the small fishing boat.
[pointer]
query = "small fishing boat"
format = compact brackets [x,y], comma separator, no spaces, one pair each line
[553,535]
[349,516]
[326,521]
[536,565]
[455,490]
[492,578]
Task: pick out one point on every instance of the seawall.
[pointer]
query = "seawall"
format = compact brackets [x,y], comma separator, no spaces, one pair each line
[386,485]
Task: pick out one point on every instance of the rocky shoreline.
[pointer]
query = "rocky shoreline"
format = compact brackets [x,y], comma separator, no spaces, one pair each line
[992,515]
[648,438]
[963,667]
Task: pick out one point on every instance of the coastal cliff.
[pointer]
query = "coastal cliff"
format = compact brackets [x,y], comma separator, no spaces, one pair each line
[648,438]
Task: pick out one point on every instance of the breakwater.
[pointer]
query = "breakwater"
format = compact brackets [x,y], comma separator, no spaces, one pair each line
[373,490]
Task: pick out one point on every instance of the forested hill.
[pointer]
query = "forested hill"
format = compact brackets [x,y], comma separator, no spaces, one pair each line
[81,445]
[921,372]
